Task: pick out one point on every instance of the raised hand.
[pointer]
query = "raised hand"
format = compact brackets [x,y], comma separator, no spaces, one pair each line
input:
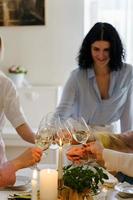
[30,157]
[76,154]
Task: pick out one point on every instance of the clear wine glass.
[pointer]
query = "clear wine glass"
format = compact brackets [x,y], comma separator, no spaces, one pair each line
[79,129]
[59,128]
[81,134]
[63,132]
[51,122]
[44,135]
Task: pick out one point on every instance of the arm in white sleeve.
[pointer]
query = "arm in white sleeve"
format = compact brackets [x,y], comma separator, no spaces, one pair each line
[14,112]
[118,161]
[12,107]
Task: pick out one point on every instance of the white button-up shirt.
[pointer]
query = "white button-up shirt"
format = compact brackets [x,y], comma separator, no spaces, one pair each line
[81,97]
[9,108]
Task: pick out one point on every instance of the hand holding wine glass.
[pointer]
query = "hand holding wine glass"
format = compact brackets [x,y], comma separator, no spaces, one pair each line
[43,137]
[82,135]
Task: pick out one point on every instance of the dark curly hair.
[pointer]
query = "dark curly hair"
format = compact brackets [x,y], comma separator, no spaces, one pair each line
[106,32]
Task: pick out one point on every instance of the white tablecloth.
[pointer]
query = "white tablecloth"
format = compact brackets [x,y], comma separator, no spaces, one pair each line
[109,194]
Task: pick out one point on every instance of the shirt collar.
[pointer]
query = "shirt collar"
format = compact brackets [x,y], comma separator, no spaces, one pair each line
[91,73]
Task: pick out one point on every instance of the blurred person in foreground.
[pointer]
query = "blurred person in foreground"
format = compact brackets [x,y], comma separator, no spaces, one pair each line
[8,169]
[11,109]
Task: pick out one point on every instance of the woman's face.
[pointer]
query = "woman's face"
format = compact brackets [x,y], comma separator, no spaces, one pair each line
[100,53]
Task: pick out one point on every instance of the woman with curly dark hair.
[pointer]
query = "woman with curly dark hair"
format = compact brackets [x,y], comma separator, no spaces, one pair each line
[101,89]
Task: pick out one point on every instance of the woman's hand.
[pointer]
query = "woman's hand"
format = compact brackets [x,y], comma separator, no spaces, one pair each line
[92,149]
[96,149]
[75,154]
[31,156]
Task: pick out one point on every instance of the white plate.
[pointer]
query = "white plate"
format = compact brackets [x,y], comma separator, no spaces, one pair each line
[21,183]
[125,188]
[112,181]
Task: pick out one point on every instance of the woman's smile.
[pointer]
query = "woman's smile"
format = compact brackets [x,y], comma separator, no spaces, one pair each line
[100,52]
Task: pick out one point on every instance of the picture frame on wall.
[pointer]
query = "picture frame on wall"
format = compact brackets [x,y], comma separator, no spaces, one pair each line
[22,12]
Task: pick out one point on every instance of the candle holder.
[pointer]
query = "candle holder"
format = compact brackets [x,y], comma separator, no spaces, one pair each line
[63,137]
[60,184]
[60,165]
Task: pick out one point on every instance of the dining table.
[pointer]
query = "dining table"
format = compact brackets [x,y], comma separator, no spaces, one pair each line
[107,193]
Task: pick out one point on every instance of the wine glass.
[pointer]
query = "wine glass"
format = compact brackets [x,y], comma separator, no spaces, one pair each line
[81,134]
[63,138]
[59,127]
[51,122]
[44,135]
[79,129]
[63,133]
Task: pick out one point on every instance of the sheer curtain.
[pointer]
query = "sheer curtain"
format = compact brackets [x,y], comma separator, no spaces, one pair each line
[118,13]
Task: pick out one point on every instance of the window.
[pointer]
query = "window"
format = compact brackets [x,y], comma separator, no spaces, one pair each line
[118,13]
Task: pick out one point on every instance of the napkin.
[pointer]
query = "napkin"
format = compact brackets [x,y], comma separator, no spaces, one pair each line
[17,196]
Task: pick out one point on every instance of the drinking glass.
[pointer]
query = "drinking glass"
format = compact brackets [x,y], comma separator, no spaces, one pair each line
[63,135]
[44,135]
[82,134]
[59,128]
[80,130]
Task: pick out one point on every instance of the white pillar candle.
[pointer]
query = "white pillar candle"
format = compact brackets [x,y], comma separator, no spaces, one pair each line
[34,184]
[60,161]
[48,184]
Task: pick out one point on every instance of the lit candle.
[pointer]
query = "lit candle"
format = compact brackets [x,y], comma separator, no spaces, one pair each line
[60,161]
[34,184]
[48,184]
[104,193]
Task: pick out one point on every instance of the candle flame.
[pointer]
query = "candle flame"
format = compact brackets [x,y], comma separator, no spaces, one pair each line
[35,174]
[104,190]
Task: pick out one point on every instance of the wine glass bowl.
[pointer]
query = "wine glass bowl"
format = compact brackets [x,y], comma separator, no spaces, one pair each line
[82,135]
[44,135]
[43,138]
[79,129]
[63,133]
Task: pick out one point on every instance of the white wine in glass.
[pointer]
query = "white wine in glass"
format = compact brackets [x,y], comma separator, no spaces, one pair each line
[44,135]
[43,138]
[79,129]
[62,132]
[81,134]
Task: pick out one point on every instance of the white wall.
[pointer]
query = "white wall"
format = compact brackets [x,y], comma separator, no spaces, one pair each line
[48,52]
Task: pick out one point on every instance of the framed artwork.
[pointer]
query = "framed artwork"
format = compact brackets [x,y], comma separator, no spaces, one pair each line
[22,12]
